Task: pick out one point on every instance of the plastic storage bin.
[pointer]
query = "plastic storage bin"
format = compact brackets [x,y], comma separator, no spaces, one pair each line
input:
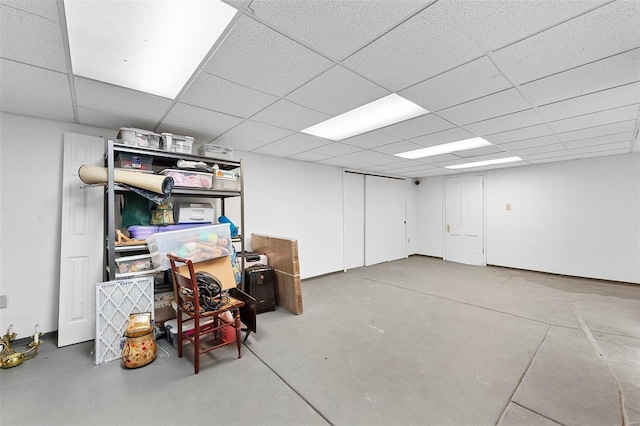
[188,179]
[142,232]
[131,161]
[226,180]
[133,264]
[198,244]
[139,137]
[177,143]
[215,151]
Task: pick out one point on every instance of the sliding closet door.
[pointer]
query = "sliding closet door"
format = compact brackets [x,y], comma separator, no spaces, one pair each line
[353,185]
[385,215]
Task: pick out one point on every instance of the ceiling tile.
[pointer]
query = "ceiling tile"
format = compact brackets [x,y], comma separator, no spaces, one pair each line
[336,91]
[553,159]
[624,146]
[200,119]
[603,32]
[529,143]
[604,74]
[371,139]
[370,157]
[467,82]
[497,104]
[37,83]
[301,142]
[426,45]
[601,140]
[288,115]
[621,151]
[593,132]
[277,150]
[446,136]
[217,94]
[440,159]
[480,152]
[43,8]
[31,39]
[518,120]
[250,133]
[36,107]
[519,134]
[336,28]
[344,162]
[596,119]
[398,147]
[336,149]
[255,56]
[523,152]
[561,153]
[423,125]
[309,156]
[105,97]
[112,120]
[497,23]
[599,101]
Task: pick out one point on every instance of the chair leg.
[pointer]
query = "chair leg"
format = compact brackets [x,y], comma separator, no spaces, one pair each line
[179,337]
[238,339]
[196,347]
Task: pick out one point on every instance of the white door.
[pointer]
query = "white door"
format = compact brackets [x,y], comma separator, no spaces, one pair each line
[385,219]
[82,241]
[464,216]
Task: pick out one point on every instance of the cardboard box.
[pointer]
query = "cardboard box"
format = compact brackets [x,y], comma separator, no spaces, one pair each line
[220,268]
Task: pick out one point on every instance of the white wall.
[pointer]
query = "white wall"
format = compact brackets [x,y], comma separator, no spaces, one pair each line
[577,218]
[30,201]
[282,197]
[293,199]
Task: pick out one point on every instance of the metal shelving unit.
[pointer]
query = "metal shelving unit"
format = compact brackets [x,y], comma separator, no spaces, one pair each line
[161,159]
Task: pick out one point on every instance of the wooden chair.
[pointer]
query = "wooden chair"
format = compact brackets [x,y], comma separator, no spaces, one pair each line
[205,323]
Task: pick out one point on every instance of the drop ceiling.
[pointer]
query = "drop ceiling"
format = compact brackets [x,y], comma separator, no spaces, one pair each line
[547,81]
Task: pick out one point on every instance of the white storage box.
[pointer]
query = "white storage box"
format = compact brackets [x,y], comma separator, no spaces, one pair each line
[215,151]
[194,213]
[198,244]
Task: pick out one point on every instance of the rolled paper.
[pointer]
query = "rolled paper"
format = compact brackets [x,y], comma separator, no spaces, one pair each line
[100,175]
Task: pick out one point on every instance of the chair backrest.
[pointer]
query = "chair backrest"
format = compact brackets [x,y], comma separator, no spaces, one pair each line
[185,288]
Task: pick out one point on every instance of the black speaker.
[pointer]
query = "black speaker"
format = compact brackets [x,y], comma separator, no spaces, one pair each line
[260,283]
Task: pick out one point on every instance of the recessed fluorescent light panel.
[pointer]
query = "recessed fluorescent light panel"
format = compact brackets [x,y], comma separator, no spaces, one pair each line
[385,111]
[446,148]
[485,163]
[150,46]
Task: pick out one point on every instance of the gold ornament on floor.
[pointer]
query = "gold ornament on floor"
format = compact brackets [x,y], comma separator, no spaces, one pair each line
[9,357]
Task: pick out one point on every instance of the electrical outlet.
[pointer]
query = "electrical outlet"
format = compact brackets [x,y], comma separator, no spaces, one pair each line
[4,301]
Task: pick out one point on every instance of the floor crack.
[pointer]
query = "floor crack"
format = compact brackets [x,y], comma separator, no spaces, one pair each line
[596,348]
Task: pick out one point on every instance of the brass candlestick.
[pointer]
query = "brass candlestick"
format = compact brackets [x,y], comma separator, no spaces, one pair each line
[9,357]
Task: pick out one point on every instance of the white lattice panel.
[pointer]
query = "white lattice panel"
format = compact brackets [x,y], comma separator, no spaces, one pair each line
[115,301]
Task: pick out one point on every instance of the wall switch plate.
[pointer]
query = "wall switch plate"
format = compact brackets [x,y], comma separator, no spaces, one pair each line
[508,206]
[4,300]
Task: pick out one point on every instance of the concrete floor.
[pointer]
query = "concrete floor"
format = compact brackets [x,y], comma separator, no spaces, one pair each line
[418,341]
